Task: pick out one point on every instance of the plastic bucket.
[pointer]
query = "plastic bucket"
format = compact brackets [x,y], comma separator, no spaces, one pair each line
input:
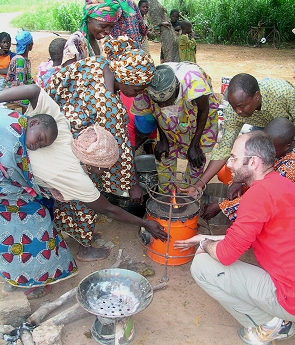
[224,175]
[179,230]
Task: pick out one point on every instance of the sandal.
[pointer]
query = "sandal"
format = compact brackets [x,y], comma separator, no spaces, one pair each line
[37,292]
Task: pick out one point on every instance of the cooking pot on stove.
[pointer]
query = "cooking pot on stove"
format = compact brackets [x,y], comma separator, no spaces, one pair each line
[146,170]
[147,176]
[125,203]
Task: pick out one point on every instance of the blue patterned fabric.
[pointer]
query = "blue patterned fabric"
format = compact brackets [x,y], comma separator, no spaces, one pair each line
[32,251]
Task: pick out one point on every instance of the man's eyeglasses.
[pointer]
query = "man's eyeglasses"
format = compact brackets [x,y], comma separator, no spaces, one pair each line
[232,159]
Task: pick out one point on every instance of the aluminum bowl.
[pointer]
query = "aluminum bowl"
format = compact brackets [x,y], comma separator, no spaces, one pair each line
[114,293]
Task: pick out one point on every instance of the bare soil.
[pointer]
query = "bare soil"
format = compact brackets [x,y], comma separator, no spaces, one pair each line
[217,60]
[182,314]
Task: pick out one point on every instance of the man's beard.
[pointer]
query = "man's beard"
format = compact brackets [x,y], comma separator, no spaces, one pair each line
[243,175]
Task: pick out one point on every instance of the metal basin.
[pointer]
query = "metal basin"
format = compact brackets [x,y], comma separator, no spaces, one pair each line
[114,293]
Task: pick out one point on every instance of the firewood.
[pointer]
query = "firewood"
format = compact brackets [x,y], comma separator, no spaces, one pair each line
[26,337]
[160,286]
[69,315]
[47,308]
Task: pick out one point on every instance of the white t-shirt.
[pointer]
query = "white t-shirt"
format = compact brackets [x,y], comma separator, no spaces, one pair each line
[56,166]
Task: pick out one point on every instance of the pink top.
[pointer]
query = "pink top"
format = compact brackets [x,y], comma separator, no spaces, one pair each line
[128,101]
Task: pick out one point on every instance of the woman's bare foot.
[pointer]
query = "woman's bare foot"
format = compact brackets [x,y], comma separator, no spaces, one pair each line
[92,254]
[31,293]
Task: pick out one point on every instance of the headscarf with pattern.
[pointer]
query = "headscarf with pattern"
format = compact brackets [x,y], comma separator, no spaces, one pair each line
[130,65]
[23,38]
[163,85]
[104,11]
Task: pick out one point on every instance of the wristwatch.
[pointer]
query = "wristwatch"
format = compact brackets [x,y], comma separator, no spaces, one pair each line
[200,244]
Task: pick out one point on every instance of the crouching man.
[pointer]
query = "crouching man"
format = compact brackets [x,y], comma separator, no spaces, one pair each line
[261,299]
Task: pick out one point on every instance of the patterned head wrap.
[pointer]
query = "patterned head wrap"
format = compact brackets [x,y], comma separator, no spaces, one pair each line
[106,10]
[23,38]
[145,124]
[163,85]
[130,65]
[96,146]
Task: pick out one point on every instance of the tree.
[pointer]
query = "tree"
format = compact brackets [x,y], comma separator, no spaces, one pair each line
[168,37]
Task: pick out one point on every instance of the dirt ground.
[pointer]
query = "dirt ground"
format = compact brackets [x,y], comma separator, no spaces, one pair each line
[217,60]
[182,314]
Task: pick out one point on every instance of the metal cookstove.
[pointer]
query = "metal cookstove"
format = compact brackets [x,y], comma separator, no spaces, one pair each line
[114,295]
[178,213]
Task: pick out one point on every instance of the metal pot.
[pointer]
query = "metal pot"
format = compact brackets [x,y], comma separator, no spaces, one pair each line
[125,203]
[146,170]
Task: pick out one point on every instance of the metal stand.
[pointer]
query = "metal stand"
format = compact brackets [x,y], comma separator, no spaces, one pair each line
[182,197]
[108,331]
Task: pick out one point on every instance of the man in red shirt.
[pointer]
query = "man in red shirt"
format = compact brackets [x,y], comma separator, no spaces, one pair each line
[262,299]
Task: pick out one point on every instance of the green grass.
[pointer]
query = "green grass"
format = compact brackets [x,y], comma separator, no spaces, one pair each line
[45,14]
[31,5]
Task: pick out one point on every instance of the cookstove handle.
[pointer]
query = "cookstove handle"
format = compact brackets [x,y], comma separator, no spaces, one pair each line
[144,236]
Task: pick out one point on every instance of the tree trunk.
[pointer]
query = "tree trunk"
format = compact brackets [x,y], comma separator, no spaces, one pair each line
[168,37]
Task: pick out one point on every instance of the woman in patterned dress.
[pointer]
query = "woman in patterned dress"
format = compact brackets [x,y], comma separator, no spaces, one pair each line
[183,102]
[99,18]
[143,6]
[88,92]
[131,26]
[33,253]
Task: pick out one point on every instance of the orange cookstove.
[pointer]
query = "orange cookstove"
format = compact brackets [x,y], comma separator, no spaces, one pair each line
[178,213]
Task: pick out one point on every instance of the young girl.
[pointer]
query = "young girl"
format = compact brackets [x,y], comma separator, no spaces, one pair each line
[143,6]
[187,44]
[19,70]
[5,56]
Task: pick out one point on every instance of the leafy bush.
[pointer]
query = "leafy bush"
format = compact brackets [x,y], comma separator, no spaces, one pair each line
[231,19]
[68,17]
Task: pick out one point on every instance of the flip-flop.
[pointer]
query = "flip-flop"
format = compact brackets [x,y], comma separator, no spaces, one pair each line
[37,292]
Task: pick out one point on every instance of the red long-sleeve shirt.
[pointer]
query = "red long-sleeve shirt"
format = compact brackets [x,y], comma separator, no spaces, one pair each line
[266,221]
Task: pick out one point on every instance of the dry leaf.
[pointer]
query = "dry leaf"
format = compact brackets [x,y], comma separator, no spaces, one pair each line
[197,321]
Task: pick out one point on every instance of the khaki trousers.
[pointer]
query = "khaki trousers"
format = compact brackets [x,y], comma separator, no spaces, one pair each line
[245,291]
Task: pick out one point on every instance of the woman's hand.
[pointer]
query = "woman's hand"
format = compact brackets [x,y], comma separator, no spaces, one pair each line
[196,156]
[156,230]
[161,147]
[136,195]
[234,190]
[96,170]
[210,211]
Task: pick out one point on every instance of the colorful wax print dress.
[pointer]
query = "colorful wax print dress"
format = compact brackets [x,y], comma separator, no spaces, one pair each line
[179,121]
[132,26]
[19,73]
[32,251]
[80,91]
